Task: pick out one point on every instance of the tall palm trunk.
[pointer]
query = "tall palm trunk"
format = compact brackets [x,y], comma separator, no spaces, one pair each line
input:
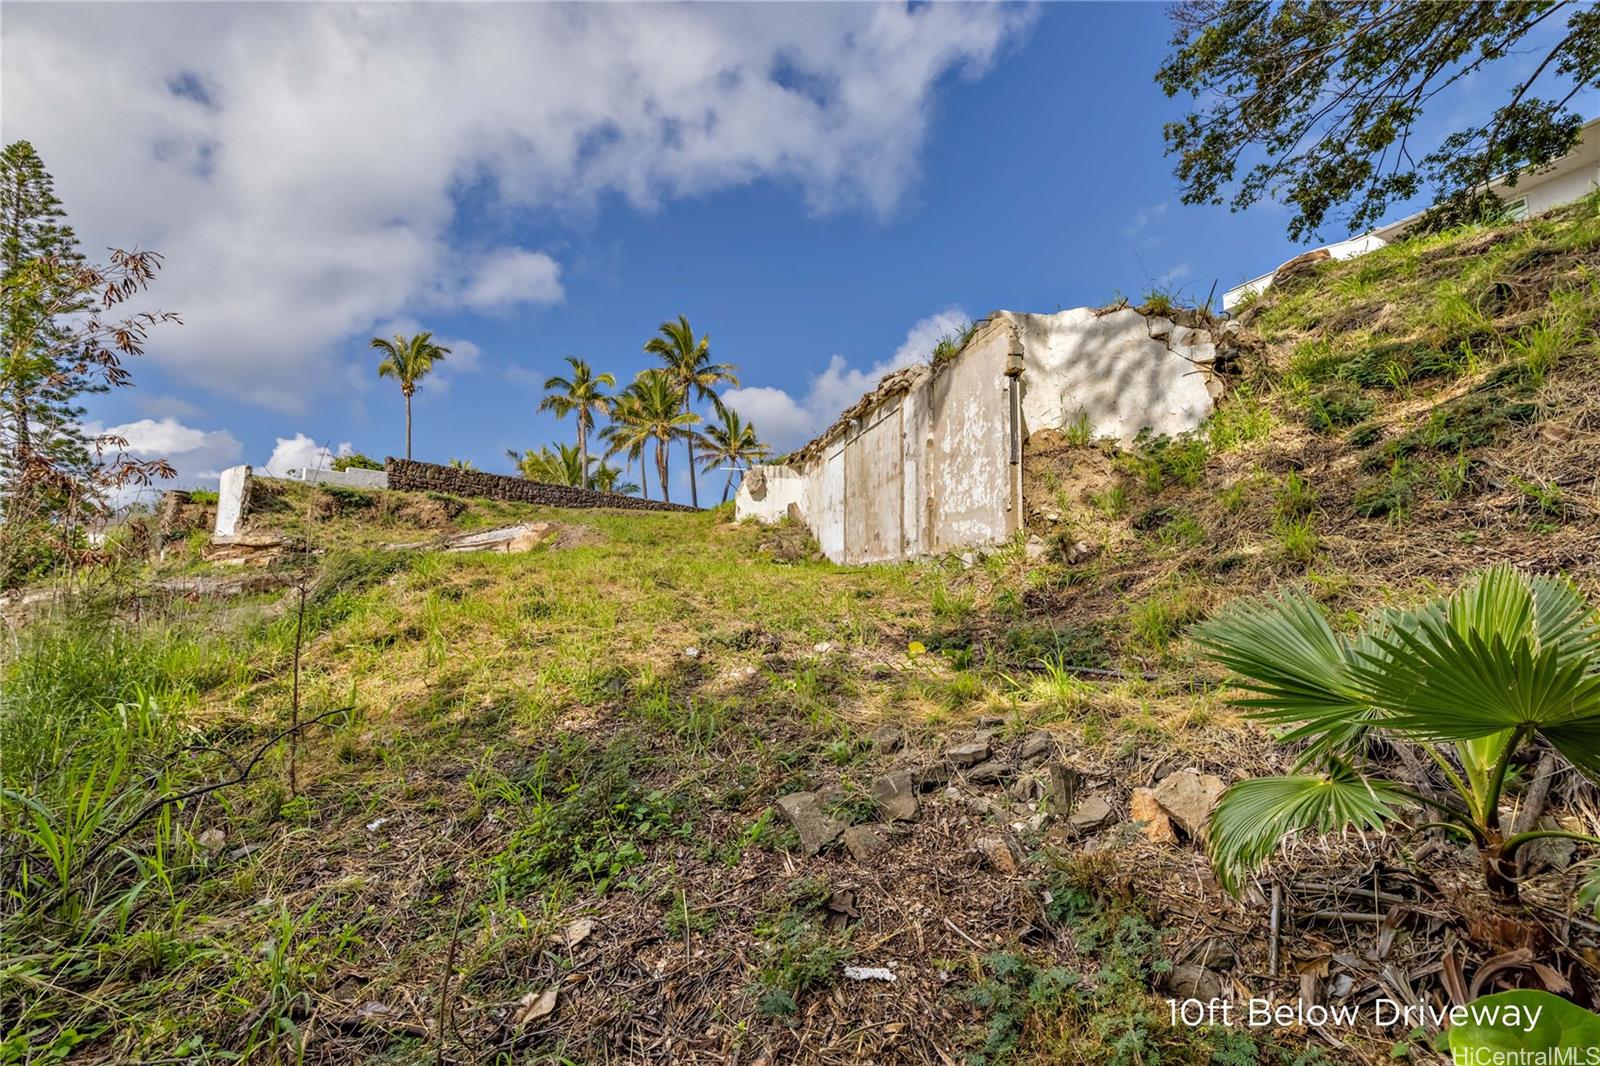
[583,448]
[661,470]
[726,485]
[408,423]
[694,494]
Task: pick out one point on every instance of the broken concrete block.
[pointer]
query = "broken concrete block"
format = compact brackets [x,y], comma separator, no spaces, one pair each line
[816,827]
[1188,797]
[896,796]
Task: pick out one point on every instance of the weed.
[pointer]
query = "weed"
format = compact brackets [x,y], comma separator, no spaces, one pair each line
[1080,431]
[1165,613]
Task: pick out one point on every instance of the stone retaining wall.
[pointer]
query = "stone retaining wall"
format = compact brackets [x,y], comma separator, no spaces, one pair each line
[407,475]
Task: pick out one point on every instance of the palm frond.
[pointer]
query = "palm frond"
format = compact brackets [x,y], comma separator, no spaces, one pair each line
[1254,817]
[1285,653]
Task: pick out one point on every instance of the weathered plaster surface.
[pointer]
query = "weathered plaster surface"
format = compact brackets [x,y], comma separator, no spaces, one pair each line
[1124,371]
[232,495]
[923,464]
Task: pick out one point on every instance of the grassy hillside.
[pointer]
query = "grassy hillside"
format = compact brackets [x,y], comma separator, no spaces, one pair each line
[532,818]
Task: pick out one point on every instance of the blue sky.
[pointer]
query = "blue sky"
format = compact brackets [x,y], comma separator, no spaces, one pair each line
[548,184]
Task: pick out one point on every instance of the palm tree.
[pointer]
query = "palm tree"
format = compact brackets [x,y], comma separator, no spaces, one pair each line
[462,464]
[619,436]
[608,478]
[584,395]
[562,466]
[1471,678]
[733,441]
[689,366]
[408,360]
[655,414]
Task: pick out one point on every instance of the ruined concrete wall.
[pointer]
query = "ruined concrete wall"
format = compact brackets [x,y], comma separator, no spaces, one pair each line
[406,475]
[969,475]
[1123,371]
[769,491]
[930,461]
[873,474]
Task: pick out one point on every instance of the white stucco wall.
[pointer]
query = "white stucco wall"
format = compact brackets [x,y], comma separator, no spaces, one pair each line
[1115,367]
[779,487]
[927,466]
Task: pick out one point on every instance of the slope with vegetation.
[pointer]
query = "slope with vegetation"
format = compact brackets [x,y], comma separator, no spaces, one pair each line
[521,807]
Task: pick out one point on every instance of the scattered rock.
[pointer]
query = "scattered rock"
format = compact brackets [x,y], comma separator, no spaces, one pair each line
[968,754]
[1214,953]
[822,647]
[1146,809]
[691,653]
[967,560]
[1034,549]
[1093,813]
[865,842]
[991,772]
[1192,981]
[816,827]
[1000,854]
[1036,747]
[1159,327]
[888,739]
[212,840]
[1188,796]
[932,776]
[991,721]
[982,806]
[1028,788]
[1078,552]
[896,796]
[1061,787]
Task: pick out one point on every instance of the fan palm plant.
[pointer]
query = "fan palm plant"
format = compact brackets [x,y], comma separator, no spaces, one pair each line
[583,395]
[1473,679]
[689,367]
[408,360]
[733,441]
[655,415]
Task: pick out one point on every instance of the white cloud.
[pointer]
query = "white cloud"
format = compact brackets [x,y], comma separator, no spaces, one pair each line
[300,452]
[1144,217]
[197,455]
[302,166]
[786,421]
[509,276]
